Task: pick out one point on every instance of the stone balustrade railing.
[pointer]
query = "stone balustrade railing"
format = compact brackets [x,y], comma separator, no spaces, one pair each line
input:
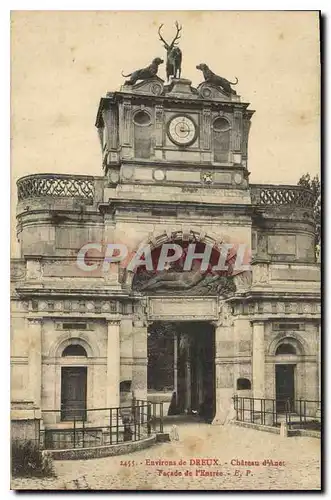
[56,185]
[83,186]
[273,195]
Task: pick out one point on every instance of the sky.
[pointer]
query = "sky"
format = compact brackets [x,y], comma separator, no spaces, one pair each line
[63,62]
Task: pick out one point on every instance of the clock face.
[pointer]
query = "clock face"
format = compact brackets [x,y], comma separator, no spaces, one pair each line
[182,130]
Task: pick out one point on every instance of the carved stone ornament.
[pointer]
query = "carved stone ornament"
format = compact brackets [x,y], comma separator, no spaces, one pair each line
[225,317]
[207,177]
[184,282]
[17,271]
[211,92]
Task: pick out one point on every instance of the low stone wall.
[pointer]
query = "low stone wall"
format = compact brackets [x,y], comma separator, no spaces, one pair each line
[25,430]
[102,451]
[259,427]
[276,430]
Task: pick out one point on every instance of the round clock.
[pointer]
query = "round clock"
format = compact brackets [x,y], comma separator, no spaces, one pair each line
[182,130]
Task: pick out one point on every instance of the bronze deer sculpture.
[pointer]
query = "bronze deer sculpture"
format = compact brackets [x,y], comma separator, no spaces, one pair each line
[174,54]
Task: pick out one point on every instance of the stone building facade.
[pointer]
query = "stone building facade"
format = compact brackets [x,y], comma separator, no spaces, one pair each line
[175,169]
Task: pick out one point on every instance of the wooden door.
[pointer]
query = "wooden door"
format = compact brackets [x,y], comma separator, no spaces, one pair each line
[73,392]
[284,386]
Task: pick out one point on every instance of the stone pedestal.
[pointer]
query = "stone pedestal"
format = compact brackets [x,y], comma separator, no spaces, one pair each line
[258,360]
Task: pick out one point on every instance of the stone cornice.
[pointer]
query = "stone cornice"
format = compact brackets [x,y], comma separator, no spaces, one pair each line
[112,204]
[251,296]
[198,102]
[171,165]
[40,291]
[60,316]
[261,318]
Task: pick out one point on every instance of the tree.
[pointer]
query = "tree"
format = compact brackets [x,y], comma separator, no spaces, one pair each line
[314,185]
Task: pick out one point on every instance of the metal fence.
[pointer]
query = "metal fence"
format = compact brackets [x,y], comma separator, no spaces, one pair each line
[101,426]
[298,413]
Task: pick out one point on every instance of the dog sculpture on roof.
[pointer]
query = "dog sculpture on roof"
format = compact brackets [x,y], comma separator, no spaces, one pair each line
[219,81]
[144,73]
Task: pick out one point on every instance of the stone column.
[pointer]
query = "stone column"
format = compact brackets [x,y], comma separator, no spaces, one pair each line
[113,364]
[319,339]
[319,361]
[188,395]
[139,354]
[224,366]
[258,362]
[176,364]
[34,328]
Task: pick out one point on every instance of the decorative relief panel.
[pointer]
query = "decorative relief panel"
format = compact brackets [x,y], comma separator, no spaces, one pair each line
[236,133]
[182,308]
[127,123]
[159,120]
[114,128]
[206,128]
[278,308]
[281,244]
[76,306]
[17,270]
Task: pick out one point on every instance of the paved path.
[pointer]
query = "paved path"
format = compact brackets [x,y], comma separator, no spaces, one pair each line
[298,464]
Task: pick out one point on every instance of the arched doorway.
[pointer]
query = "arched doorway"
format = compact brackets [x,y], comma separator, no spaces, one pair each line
[181,366]
[285,374]
[73,385]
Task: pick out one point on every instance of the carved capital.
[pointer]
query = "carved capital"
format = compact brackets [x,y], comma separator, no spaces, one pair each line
[34,321]
[114,322]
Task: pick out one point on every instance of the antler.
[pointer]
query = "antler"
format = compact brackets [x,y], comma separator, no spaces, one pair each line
[177,37]
[161,38]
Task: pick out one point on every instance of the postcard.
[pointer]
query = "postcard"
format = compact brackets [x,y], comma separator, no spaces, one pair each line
[166,236]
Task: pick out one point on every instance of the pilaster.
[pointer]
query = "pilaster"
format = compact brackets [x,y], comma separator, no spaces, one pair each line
[224,354]
[113,364]
[258,361]
[34,329]
[139,354]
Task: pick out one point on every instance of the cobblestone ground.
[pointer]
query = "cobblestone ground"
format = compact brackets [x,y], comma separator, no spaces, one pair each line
[299,468]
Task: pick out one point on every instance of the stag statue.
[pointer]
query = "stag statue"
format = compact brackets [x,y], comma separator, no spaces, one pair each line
[174,54]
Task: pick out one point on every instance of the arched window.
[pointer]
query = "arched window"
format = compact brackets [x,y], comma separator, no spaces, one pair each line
[221,140]
[142,135]
[125,386]
[285,349]
[74,350]
[243,384]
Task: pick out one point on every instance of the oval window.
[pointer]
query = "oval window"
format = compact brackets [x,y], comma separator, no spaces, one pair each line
[142,118]
[221,125]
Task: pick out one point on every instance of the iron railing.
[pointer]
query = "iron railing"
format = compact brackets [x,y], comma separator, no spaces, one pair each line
[101,426]
[274,195]
[72,186]
[297,413]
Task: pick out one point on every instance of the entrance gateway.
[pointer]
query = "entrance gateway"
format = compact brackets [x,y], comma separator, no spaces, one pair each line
[181,346]
[181,359]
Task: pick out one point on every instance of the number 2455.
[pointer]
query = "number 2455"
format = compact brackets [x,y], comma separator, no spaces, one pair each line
[127,463]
